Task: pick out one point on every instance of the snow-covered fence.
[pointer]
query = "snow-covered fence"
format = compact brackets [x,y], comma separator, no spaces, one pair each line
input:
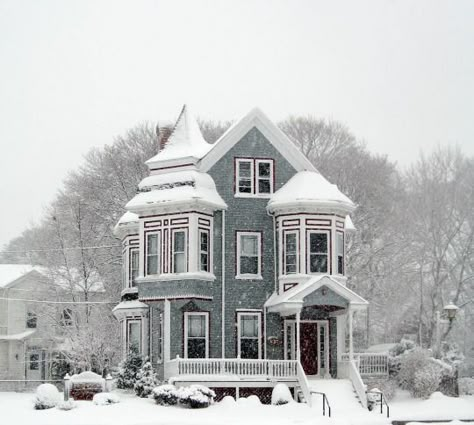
[370,364]
[272,369]
[84,385]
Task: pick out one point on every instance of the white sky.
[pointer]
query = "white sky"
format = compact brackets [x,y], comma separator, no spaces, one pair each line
[74,74]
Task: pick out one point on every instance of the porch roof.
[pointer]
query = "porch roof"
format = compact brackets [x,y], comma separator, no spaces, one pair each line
[292,300]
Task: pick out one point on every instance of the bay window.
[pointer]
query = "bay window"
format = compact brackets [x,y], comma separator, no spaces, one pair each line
[134,333]
[152,253]
[318,253]
[204,250]
[248,254]
[133,267]
[249,344]
[196,337]
[179,251]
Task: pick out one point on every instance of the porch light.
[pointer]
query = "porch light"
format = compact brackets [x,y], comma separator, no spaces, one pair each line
[450,310]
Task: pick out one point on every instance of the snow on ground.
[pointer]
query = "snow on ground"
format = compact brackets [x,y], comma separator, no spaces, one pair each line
[17,408]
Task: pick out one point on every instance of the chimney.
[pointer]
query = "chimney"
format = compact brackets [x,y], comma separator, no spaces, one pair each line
[163,133]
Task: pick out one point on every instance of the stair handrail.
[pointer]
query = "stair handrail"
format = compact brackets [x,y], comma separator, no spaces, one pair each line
[382,401]
[325,402]
[304,384]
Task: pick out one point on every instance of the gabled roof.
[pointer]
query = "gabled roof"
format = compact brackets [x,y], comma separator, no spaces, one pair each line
[9,273]
[256,118]
[186,143]
[308,188]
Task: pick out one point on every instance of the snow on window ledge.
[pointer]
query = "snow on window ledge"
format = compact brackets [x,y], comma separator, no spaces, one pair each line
[249,277]
[178,276]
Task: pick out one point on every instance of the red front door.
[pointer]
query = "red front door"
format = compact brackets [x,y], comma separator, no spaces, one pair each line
[309,347]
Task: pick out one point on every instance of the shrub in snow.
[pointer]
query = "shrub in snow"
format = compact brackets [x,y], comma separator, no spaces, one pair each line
[67,404]
[128,370]
[387,386]
[228,401]
[196,396]
[451,354]
[411,362]
[47,396]
[395,356]
[104,399]
[466,386]
[426,380]
[146,381]
[165,395]
[281,395]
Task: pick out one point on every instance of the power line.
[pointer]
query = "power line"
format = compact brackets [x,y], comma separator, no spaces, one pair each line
[58,249]
[58,302]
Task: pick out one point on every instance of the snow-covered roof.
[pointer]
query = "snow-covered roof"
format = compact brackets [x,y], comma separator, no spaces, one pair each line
[186,142]
[11,272]
[18,337]
[127,223]
[180,187]
[348,224]
[309,189]
[130,305]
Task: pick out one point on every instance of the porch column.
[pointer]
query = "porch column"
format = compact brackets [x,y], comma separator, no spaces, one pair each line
[298,349]
[351,340]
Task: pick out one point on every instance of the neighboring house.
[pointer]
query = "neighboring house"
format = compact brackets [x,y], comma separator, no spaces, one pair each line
[35,315]
[236,251]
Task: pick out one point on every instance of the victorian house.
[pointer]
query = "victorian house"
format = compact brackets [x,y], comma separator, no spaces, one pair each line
[234,263]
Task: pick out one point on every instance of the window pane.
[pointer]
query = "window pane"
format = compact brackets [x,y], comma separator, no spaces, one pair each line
[245,169]
[31,320]
[179,264]
[134,335]
[249,348]
[318,242]
[340,265]
[291,263]
[318,263]
[249,245]
[34,361]
[197,348]
[249,326]
[204,262]
[152,247]
[264,186]
[152,265]
[196,326]
[204,241]
[179,241]
[245,186]
[249,265]
[264,169]
[339,244]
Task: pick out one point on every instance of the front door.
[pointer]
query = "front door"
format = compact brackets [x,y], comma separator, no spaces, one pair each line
[309,348]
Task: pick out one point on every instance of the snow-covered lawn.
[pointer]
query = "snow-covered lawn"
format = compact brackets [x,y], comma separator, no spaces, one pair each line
[17,409]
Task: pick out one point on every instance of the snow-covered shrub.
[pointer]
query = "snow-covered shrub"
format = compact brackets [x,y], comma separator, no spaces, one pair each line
[67,404]
[466,386]
[128,370]
[451,354]
[411,362]
[146,381]
[395,356]
[281,395]
[196,396]
[47,396]
[165,395]
[104,399]
[426,380]
[228,401]
[387,386]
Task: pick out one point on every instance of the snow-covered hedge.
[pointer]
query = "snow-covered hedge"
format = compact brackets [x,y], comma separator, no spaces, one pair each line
[67,404]
[146,381]
[194,396]
[165,395]
[104,399]
[47,396]
[281,395]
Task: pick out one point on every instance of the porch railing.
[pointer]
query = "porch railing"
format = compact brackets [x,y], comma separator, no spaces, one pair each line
[348,369]
[370,364]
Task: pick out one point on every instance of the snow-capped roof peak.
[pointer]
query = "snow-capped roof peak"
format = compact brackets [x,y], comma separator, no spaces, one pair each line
[186,140]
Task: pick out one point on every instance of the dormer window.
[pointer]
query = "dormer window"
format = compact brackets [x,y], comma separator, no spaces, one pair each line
[254,177]
[318,253]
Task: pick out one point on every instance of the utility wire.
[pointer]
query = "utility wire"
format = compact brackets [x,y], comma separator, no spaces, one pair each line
[58,249]
[58,302]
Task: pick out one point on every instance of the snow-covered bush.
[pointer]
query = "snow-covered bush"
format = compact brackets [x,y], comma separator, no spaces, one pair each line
[466,386]
[426,380]
[67,404]
[228,401]
[281,395]
[395,355]
[165,395]
[387,386]
[196,396]
[128,370]
[104,399]
[47,396]
[146,381]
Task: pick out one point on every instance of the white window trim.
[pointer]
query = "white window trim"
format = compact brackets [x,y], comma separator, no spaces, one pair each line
[259,317]
[308,251]
[240,275]
[285,234]
[158,254]
[340,233]
[196,313]
[257,177]
[186,265]
[140,342]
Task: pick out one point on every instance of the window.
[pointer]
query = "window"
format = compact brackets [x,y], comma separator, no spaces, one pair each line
[179,251]
[31,320]
[66,317]
[254,177]
[248,254]
[134,335]
[291,253]
[204,250]
[340,252]
[196,344]
[249,339]
[152,253]
[133,266]
[159,338]
[34,361]
[318,252]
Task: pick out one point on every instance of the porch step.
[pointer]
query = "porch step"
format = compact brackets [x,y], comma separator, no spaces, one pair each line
[340,393]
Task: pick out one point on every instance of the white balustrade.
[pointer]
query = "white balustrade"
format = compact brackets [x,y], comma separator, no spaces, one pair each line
[369,364]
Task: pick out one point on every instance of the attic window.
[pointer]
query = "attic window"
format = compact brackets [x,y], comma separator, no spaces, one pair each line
[254,177]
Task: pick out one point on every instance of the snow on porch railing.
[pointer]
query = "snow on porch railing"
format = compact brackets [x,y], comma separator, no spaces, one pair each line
[370,364]
[283,369]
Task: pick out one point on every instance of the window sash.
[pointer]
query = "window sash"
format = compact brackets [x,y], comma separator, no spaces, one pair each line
[134,256]
[152,253]
[340,252]
[31,320]
[196,335]
[204,249]
[291,253]
[134,334]
[318,260]
[179,251]
[245,183]
[249,254]
[264,180]
[249,335]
